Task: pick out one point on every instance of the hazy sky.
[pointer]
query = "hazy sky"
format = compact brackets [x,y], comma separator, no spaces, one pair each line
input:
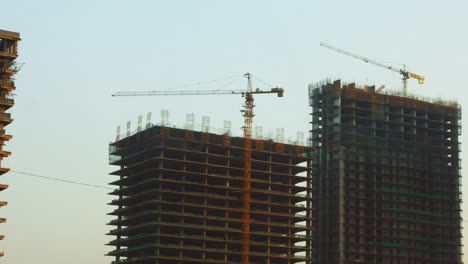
[77,53]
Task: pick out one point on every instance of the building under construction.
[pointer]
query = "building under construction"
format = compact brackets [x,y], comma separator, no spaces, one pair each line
[179,199]
[386,178]
[8,68]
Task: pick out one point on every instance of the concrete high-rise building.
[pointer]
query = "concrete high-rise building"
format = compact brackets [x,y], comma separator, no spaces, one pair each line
[8,68]
[179,199]
[386,179]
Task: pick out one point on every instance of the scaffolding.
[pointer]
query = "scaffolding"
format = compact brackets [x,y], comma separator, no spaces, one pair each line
[180,199]
[386,177]
[8,68]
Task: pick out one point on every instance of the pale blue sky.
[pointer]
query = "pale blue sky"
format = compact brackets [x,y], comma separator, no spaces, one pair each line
[77,53]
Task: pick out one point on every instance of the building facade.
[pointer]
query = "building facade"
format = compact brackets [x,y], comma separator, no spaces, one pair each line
[8,68]
[386,180]
[179,199]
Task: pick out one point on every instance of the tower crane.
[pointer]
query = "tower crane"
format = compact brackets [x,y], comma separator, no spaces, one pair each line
[248,114]
[404,73]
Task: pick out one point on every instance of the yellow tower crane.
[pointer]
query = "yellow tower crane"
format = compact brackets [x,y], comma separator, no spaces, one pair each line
[404,73]
[248,114]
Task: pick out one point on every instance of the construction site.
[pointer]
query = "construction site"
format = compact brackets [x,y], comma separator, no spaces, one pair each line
[380,182]
[386,179]
[8,68]
[377,181]
[181,199]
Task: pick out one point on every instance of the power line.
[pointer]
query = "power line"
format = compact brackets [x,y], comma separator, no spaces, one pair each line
[61,180]
[74,182]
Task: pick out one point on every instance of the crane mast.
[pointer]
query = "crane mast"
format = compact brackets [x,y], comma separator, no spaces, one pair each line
[248,115]
[404,73]
[248,120]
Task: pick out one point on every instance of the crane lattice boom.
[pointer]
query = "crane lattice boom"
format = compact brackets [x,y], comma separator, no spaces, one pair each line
[405,74]
[276,90]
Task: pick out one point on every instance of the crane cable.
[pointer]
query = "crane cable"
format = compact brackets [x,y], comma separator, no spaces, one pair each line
[203,82]
[256,78]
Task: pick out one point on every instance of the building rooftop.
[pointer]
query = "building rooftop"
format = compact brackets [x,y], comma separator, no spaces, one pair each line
[371,90]
[9,35]
[278,136]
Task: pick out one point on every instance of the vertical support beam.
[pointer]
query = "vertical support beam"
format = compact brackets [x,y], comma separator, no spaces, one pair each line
[309,213]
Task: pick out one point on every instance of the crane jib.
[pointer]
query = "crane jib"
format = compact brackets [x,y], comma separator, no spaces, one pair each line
[276,90]
[406,75]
